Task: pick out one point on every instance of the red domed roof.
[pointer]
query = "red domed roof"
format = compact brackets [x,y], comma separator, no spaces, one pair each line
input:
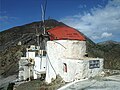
[65,33]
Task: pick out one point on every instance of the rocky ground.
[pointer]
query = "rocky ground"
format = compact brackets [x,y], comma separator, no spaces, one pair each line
[4,82]
[12,83]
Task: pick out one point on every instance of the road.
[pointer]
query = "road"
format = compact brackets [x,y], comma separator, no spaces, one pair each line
[98,83]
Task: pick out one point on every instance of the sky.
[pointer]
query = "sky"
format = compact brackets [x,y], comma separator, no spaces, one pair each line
[97,19]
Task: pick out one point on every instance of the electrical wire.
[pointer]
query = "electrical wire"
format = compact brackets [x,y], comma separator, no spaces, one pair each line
[51,64]
[60,44]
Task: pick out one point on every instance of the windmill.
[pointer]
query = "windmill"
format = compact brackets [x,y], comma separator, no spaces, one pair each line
[41,37]
[44,37]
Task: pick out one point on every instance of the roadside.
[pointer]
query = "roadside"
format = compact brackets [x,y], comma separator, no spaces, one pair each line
[96,83]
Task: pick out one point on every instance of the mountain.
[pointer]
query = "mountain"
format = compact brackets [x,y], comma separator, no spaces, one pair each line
[11,51]
[111,54]
[25,33]
[108,42]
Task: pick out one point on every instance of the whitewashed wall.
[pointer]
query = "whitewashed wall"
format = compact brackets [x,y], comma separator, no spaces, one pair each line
[72,53]
[76,69]
[36,70]
[66,49]
[30,55]
[62,49]
[39,67]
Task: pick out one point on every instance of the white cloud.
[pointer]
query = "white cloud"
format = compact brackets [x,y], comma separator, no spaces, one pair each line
[95,37]
[7,19]
[82,6]
[106,35]
[3,17]
[103,35]
[99,22]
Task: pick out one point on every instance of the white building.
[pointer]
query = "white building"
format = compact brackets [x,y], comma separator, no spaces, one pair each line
[67,58]
[33,65]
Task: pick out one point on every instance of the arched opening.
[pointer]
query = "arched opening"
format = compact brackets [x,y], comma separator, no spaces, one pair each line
[65,67]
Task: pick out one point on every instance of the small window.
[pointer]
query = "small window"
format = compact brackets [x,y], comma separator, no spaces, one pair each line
[64,67]
[44,53]
[36,53]
[94,64]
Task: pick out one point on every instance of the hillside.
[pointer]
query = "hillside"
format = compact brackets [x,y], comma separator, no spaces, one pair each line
[10,51]
[111,54]
[25,33]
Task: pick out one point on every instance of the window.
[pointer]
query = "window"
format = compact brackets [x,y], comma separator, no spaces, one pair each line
[94,64]
[64,67]
[44,53]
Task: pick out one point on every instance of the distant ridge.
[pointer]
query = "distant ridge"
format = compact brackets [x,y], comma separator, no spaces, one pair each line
[108,42]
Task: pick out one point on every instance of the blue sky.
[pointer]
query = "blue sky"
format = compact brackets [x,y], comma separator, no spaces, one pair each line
[98,19]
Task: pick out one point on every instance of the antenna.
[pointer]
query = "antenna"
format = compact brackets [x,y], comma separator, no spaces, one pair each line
[43,8]
[43,34]
[37,34]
